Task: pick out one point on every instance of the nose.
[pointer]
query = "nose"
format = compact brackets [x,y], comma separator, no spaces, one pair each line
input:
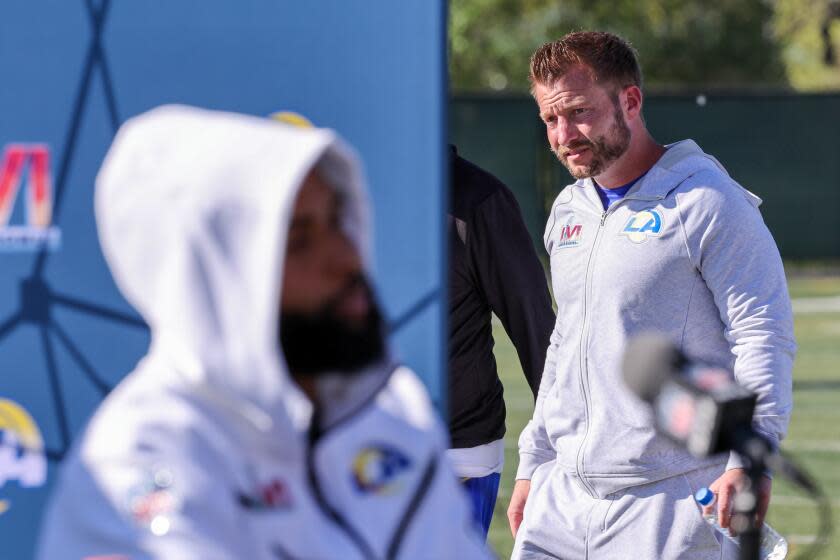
[344,258]
[566,132]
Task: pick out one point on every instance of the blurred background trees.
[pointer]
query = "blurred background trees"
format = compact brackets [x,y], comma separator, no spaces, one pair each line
[682,43]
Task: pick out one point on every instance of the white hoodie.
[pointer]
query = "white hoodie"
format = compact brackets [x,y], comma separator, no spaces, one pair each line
[206,450]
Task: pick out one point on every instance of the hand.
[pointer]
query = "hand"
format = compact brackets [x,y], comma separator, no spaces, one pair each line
[725,488]
[517,504]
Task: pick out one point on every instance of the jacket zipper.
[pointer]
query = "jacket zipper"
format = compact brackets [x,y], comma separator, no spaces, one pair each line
[330,512]
[314,436]
[584,337]
[420,493]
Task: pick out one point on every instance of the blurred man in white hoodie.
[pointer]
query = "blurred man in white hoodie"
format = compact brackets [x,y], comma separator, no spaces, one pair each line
[267,420]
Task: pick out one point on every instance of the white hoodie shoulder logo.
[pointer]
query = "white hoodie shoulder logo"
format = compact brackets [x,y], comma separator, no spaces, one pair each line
[151,501]
[641,225]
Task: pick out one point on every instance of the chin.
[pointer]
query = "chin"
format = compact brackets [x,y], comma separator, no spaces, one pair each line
[581,172]
[355,324]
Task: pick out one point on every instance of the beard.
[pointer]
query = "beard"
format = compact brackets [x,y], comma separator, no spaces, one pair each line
[604,149]
[322,342]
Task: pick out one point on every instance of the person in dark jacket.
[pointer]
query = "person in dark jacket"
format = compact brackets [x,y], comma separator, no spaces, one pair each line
[493,269]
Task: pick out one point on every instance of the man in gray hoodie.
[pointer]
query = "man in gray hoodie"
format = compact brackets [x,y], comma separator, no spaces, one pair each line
[649,237]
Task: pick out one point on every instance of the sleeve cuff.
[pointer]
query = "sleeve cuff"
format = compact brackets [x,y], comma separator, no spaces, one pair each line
[528,463]
[735,461]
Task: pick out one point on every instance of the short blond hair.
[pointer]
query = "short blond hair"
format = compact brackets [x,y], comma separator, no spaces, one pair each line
[610,59]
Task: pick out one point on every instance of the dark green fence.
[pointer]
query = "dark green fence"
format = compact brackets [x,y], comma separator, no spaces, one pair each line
[785,148]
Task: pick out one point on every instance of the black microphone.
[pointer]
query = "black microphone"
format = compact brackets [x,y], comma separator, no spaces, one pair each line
[698,406]
[702,408]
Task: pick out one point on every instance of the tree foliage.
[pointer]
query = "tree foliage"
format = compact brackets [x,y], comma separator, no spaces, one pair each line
[806,30]
[727,43]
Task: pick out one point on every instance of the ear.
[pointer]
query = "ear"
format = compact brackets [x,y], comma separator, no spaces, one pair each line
[631,102]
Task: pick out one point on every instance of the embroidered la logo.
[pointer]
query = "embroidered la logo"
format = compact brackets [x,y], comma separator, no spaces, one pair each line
[644,224]
[378,468]
[571,235]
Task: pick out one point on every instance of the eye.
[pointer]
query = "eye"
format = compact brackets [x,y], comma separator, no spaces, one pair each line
[580,111]
[335,220]
[550,120]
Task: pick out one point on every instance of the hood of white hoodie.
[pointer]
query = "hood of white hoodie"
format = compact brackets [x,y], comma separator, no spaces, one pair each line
[193,209]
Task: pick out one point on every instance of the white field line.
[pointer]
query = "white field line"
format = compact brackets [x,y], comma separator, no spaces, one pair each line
[816,305]
[828,304]
[775,501]
[801,539]
[818,445]
[826,445]
[797,501]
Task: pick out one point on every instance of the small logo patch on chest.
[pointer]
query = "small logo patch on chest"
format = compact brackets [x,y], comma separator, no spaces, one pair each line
[571,235]
[272,495]
[642,225]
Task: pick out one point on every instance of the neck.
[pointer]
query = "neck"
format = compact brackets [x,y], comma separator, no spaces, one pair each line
[641,155]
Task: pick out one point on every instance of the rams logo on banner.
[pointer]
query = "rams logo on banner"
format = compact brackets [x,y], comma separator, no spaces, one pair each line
[644,224]
[376,469]
[22,456]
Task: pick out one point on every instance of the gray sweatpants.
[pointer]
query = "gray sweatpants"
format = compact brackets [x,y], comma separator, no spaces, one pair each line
[656,521]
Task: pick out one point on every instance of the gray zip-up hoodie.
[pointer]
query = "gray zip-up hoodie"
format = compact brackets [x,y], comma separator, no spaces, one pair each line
[687,253]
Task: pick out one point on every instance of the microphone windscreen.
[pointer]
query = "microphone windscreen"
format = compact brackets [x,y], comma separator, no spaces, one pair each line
[649,360]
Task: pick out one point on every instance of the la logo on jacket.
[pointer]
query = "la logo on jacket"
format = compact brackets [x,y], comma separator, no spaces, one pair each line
[641,225]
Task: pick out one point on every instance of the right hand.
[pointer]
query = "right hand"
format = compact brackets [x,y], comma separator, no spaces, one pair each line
[517,504]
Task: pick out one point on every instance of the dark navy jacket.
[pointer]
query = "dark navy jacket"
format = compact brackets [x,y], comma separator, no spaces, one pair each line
[493,268]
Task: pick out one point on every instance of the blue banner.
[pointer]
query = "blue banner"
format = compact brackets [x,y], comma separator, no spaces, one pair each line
[74,70]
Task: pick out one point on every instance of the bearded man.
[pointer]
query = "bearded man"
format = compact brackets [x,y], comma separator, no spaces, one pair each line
[268,419]
[649,237]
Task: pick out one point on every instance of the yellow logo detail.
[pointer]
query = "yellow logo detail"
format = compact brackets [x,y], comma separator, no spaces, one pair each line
[293,119]
[22,456]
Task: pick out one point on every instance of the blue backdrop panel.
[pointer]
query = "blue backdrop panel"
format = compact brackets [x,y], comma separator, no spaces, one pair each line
[73,70]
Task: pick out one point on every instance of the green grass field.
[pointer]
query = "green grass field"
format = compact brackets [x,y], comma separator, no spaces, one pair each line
[813,438]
